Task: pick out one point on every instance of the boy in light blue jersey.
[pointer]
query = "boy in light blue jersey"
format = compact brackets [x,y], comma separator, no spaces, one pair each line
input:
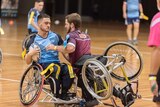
[131,13]
[33,15]
[43,39]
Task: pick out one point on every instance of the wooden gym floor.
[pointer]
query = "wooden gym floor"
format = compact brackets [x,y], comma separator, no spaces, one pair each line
[102,34]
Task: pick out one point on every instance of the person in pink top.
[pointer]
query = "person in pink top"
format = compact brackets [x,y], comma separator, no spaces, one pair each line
[154,43]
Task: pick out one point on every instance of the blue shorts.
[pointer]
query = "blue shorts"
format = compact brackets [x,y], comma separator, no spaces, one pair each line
[132,20]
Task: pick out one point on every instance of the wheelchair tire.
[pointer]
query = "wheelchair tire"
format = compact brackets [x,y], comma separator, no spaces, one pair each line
[133,61]
[31,85]
[97,79]
[28,40]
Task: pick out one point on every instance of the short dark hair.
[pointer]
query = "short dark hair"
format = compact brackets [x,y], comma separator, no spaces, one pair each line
[39,1]
[43,15]
[74,18]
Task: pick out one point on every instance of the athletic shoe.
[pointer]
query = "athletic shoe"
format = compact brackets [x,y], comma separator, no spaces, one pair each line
[135,42]
[130,41]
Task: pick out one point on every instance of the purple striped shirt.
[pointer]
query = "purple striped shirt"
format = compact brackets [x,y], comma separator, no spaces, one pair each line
[82,44]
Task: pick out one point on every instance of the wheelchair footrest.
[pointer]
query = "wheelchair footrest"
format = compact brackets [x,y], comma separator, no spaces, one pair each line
[126,95]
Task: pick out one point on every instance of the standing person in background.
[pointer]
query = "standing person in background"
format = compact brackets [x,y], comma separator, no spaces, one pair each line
[33,15]
[131,9]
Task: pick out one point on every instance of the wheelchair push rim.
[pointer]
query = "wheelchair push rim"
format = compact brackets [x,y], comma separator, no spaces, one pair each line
[96,79]
[133,61]
[31,85]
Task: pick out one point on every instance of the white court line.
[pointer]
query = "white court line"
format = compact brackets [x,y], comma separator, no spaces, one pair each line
[9,54]
[147,99]
[12,80]
[11,39]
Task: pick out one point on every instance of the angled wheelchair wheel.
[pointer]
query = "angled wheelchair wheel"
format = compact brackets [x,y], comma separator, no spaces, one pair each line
[28,40]
[96,79]
[133,60]
[31,85]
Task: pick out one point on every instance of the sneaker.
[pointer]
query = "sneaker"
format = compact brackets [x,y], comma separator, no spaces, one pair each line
[135,42]
[92,103]
[129,41]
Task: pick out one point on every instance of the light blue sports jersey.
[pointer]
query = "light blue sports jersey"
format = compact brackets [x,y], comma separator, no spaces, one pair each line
[36,14]
[132,8]
[50,55]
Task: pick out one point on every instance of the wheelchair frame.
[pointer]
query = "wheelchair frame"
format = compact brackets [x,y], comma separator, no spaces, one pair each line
[102,72]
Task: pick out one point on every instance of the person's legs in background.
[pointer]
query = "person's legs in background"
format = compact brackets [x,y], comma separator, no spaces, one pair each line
[128,23]
[135,32]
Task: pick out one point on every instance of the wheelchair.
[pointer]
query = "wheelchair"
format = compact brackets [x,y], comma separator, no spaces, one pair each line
[124,63]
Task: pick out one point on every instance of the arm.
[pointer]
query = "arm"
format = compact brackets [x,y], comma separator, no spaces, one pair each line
[68,49]
[28,56]
[141,8]
[124,9]
[31,20]
[158,4]
[64,49]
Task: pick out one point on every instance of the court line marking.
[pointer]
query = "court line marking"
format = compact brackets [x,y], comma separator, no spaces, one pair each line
[147,99]
[12,80]
[10,54]
[15,40]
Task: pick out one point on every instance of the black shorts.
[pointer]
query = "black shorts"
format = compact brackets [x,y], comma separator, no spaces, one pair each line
[157,98]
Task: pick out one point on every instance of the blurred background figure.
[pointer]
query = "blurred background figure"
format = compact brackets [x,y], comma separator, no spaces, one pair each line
[131,9]
[33,16]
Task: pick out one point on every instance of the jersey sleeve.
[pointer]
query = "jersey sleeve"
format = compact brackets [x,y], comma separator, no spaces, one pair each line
[35,12]
[71,40]
[32,15]
[140,1]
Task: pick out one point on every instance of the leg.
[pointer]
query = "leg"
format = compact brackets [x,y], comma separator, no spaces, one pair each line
[55,76]
[155,98]
[85,94]
[66,81]
[129,32]
[90,100]
[135,32]
[155,63]
[155,70]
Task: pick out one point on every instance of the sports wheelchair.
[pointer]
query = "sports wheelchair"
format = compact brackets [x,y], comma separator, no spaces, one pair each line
[124,63]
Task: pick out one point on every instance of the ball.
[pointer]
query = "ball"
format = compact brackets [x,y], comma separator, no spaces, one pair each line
[56,22]
[11,22]
[35,57]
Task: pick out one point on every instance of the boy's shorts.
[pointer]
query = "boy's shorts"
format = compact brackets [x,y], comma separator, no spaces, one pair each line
[132,20]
